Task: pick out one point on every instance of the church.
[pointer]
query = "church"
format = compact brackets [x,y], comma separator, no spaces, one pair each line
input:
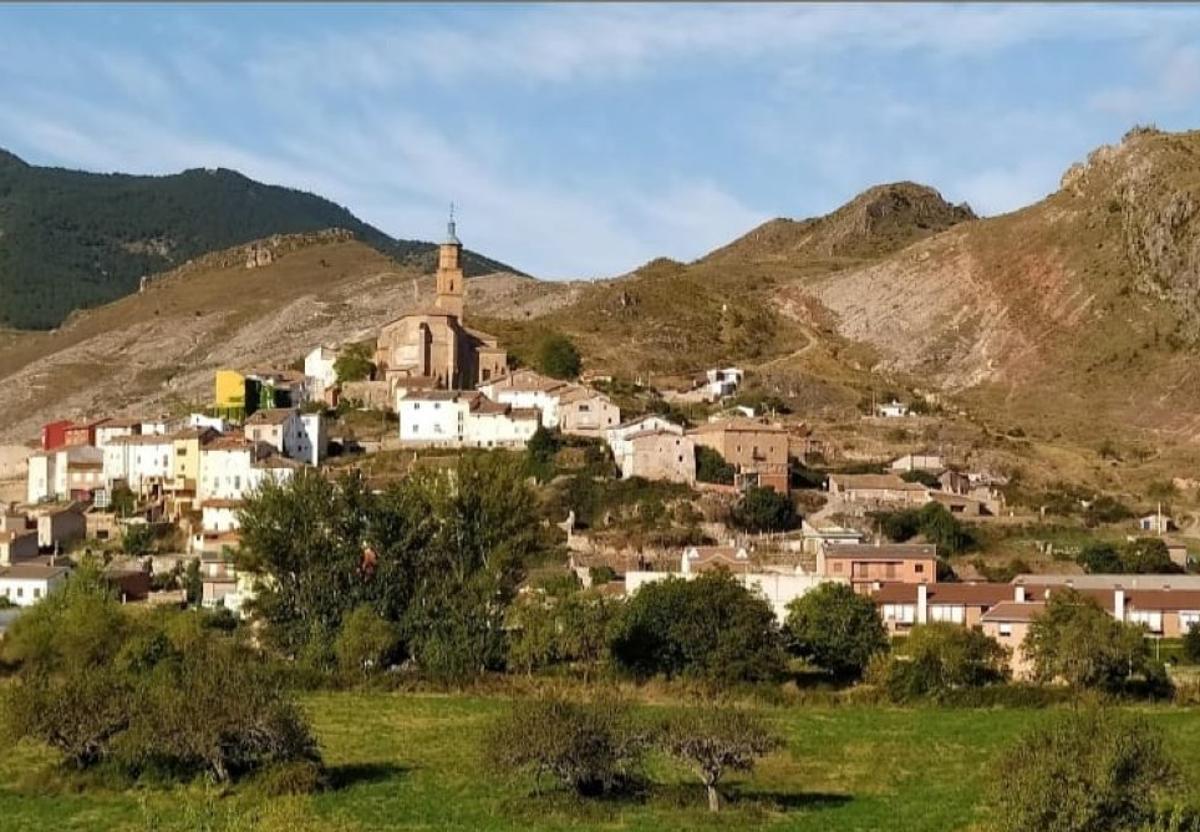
[432,347]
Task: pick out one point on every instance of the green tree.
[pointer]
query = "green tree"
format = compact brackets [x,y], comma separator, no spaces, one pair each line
[585,620]
[1100,557]
[1147,556]
[557,356]
[713,741]
[712,467]
[836,629]
[1089,771]
[540,452]
[940,657]
[1191,644]
[944,530]
[1077,641]
[591,748]
[122,501]
[899,526]
[925,478]
[137,539]
[193,584]
[710,628]
[354,363]
[764,510]
[533,633]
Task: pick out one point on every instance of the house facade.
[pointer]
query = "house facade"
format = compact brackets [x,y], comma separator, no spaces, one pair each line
[877,489]
[660,455]
[866,565]
[462,419]
[757,450]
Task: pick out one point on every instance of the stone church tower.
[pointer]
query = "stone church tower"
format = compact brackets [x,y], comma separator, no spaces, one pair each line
[450,283]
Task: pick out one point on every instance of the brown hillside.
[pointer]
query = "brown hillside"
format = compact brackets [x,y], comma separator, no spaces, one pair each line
[158,349]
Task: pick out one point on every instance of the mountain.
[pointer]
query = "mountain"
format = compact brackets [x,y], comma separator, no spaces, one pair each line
[71,240]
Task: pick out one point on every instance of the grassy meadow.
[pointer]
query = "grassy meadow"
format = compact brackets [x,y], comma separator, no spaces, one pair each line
[403,761]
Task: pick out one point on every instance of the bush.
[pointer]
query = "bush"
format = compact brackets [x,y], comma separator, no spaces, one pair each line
[713,741]
[925,478]
[297,777]
[354,363]
[557,357]
[1090,771]
[836,629]
[589,748]
[1146,555]
[1191,644]
[764,510]
[712,467]
[137,539]
[937,658]
[366,643]
[710,628]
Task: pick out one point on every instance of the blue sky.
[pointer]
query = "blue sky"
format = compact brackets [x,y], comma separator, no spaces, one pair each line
[581,141]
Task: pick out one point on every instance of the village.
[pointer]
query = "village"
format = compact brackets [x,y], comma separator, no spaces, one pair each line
[159,497]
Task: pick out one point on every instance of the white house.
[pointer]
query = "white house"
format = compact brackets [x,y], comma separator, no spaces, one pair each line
[24,584]
[722,383]
[918,462]
[892,410]
[142,461]
[525,389]
[111,429]
[618,437]
[319,370]
[64,473]
[202,421]
[455,418]
[295,435]
[225,469]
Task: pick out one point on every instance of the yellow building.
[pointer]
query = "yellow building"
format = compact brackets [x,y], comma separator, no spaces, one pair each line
[230,389]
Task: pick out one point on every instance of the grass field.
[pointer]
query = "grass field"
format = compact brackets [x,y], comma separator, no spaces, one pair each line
[412,762]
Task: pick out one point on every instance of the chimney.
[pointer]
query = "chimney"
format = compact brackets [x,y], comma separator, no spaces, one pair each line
[1020,596]
[1119,604]
[922,604]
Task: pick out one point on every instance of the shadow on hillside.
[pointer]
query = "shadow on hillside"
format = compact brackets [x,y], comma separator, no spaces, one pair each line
[358,774]
[683,795]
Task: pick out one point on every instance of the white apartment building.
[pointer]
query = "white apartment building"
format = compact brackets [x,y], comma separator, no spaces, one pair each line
[298,436]
[73,470]
[319,370]
[462,419]
[141,461]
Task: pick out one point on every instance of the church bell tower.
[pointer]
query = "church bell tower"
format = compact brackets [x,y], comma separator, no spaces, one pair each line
[450,284]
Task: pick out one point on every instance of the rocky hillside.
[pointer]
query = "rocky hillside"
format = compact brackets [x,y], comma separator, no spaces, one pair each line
[157,349]
[72,240]
[878,221]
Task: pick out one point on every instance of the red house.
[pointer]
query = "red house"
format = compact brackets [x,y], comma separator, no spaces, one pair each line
[54,435]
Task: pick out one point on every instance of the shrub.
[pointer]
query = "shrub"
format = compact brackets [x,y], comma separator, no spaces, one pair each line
[557,357]
[710,628]
[714,741]
[764,510]
[836,629]
[590,748]
[712,467]
[1191,644]
[1099,557]
[1090,771]
[366,643]
[354,363]
[925,478]
[937,658]
[137,539]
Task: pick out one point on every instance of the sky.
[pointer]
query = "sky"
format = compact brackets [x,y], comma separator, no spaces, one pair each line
[581,141]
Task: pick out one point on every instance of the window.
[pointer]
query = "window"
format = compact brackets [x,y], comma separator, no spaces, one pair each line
[1006,629]
[919,568]
[900,613]
[946,612]
[837,566]
[37,592]
[20,592]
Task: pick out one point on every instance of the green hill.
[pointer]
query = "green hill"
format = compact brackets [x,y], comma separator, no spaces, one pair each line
[71,240]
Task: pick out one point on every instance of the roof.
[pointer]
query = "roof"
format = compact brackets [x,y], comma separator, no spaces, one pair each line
[482,404]
[271,416]
[738,424]
[969,594]
[276,461]
[228,443]
[12,534]
[142,439]
[1014,612]
[526,380]
[129,422]
[438,396]
[1125,581]
[521,414]
[31,572]
[875,482]
[415,382]
[654,434]
[883,551]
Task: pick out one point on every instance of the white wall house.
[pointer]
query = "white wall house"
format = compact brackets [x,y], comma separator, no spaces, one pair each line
[892,410]
[225,467]
[26,584]
[141,461]
[319,371]
[113,428]
[618,437]
[57,474]
[722,383]
[203,420]
[295,435]
[462,419]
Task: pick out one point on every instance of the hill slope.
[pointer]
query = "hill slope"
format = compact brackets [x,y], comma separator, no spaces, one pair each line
[157,349]
[71,240]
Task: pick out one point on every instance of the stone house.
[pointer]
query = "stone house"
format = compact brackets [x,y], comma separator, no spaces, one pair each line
[877,489]
[660,455]
[758,451]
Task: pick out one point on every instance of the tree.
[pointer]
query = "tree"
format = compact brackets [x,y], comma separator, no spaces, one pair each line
[940,657]
[1100,557]
[540,452]
[712,467]
[557,356]
[764,510]
[533,631]
[899,526]
[193,584]
[585,621]
[1089,771]
[1191,644]
[714,741]
[710,628]
[354,363]
[590,747]
[122,501]
[943,529]
[1147,556]
[137,539]
[1075,640]
[836,629]
[367,643]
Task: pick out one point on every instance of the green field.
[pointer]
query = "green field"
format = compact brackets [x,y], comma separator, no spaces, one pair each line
[412,762]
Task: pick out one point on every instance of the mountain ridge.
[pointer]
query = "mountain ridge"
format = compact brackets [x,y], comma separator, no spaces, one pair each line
[75,239]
